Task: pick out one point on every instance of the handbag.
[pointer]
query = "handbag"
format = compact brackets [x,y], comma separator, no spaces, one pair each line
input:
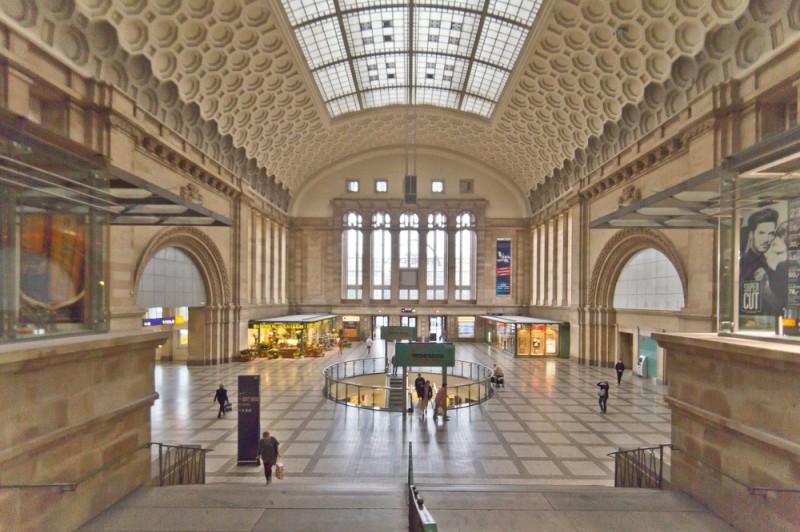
[228,406]
[279,471]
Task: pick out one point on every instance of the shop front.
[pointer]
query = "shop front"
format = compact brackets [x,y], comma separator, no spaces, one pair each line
[523,336]
[292,336]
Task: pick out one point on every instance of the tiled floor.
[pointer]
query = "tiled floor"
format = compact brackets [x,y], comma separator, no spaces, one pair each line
[544,427]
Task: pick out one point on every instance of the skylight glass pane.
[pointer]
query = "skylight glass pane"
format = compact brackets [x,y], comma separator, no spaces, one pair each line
[500,43]
[381,71]
[381,97]
[486,81]
[346,104]
[479,106]
[445,31]
[300,11]
[473,5]
[321,43]
[377,31]
[347,5]
[522,11]
[439,97]
[335,81]
[445,72]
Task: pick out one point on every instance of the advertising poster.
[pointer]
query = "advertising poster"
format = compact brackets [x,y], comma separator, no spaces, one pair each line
[793,254]
[763,265]
[503,270]
[249,410]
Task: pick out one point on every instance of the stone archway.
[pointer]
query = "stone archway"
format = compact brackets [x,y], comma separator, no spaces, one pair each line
[600,334]
[215,337]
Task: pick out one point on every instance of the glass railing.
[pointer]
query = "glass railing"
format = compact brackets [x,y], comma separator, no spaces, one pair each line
[468,384]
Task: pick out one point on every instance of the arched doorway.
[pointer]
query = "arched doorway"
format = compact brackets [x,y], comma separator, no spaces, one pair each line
[601,334]
[189,259]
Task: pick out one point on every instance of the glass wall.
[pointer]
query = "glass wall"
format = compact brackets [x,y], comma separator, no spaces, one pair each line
[53,243]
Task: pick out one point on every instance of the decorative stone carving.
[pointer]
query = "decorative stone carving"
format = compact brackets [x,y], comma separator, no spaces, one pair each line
[630,194]
[192,193]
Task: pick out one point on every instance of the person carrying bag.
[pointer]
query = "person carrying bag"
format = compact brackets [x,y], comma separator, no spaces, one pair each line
[268,453]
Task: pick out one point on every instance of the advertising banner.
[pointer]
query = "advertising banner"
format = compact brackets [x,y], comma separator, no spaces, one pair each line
[249,409]
[399,333]
[425,354]
[763,265]
[503,268]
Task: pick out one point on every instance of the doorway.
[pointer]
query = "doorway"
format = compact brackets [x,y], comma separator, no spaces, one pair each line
[625,349]
[437,325]
[378,322]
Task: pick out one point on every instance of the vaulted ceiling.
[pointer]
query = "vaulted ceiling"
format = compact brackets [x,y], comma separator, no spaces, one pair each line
[231,76]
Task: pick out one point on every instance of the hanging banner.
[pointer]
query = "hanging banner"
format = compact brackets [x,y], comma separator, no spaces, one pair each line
[763,266]
[249,409]
[503,269]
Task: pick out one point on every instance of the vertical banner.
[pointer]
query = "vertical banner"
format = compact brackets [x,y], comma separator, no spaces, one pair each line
[503,268]
[763,266]
[792,241]
[249,407]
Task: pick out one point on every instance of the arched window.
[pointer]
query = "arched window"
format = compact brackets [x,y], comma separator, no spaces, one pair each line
[381,256]
[649,281]
[352,256]
[436,256]
[465,256]
[409,256]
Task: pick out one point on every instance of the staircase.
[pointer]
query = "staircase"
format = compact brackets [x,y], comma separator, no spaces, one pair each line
[294,505]
[397,394]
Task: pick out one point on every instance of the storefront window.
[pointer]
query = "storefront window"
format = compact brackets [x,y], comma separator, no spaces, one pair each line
[760,251]
[466,327]
[53,255]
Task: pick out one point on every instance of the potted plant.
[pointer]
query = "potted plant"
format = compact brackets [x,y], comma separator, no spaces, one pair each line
[246,355]
[263,349]
[274,353]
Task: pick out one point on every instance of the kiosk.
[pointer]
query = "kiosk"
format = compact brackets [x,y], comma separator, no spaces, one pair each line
[292,336]
[524,336]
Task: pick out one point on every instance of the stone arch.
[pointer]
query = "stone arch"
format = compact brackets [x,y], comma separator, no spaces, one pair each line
[600,333]
[616,254]
[215,339]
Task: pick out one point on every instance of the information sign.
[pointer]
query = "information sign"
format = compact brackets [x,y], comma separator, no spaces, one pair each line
[425,354]
[249,409]
[399,333]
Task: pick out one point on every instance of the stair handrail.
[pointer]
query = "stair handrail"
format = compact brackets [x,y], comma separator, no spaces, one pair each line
[72,486]
[419,518]
[627,469]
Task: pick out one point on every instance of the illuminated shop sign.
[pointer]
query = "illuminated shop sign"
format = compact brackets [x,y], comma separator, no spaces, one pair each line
[405,310]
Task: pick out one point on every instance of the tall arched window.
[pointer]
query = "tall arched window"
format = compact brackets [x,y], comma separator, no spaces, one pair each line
[649,281]
[409,256]
[381,256]
[466,242]
[352,256]
[436,256]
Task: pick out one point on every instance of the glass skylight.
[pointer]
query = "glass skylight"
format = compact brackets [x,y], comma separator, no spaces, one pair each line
[455,54]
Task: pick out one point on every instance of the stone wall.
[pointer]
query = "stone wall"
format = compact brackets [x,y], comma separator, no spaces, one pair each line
[736,426]
[74,411]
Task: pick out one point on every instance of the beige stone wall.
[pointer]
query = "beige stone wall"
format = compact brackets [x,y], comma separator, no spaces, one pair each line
[736,426]
[73,409]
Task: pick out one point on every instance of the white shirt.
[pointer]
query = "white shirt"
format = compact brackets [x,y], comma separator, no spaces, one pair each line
[369,342]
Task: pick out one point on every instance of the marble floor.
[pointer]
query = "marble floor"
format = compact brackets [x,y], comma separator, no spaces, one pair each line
[543,428]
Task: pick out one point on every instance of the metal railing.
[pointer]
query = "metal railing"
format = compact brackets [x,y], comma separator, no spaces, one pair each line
[639,468]
[339,388]
[419,518]
[181,464]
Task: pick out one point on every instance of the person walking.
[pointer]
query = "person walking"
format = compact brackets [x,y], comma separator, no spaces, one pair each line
[602,395]
[369,345]
[267,453]
[439,402]
[221,397]
[427,394]
[394,366]
[340,344]
[419,385]
[620,367]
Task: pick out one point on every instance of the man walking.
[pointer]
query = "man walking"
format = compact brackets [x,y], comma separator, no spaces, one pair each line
[221,397]
[620,367]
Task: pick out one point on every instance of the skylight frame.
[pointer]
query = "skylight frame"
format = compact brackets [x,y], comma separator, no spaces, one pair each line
[455,54]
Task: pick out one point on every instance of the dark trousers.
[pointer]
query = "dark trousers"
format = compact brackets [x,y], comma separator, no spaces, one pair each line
[221,409]
[619,377]
[267,469]
[603,401]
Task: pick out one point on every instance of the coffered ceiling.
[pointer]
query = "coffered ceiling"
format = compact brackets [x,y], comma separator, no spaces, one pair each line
[235,79]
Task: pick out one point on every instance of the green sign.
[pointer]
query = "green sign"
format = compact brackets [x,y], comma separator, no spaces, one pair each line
[399,333]
[424,354]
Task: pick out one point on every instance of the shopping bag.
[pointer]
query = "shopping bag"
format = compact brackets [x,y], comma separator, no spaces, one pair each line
[279,471]
[228,406]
